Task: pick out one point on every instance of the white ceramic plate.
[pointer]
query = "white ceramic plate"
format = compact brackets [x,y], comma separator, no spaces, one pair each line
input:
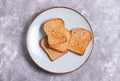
[70,61]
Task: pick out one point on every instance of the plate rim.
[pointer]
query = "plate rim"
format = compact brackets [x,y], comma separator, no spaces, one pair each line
[69,9]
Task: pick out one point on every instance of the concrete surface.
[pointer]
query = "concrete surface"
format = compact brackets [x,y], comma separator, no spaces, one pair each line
[17,15]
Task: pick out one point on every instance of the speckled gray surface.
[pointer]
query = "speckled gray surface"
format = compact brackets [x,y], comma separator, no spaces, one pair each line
[17,15]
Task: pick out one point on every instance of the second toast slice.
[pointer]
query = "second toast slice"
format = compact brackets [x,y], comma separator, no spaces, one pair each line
[55,31]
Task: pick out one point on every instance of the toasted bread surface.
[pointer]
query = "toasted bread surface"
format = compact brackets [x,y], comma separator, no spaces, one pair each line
[52,54]
[62,47]
[55,31]
[79,40]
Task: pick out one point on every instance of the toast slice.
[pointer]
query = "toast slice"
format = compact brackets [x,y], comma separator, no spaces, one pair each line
[52,54]
[55,31]
[62,47]
[79,40]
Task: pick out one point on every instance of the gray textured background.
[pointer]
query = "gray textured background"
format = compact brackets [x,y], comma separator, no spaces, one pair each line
[17,15]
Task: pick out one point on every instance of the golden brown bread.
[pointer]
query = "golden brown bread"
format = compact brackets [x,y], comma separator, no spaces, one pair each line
[79,40]
[55,31]
[52,54]
[62,47]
